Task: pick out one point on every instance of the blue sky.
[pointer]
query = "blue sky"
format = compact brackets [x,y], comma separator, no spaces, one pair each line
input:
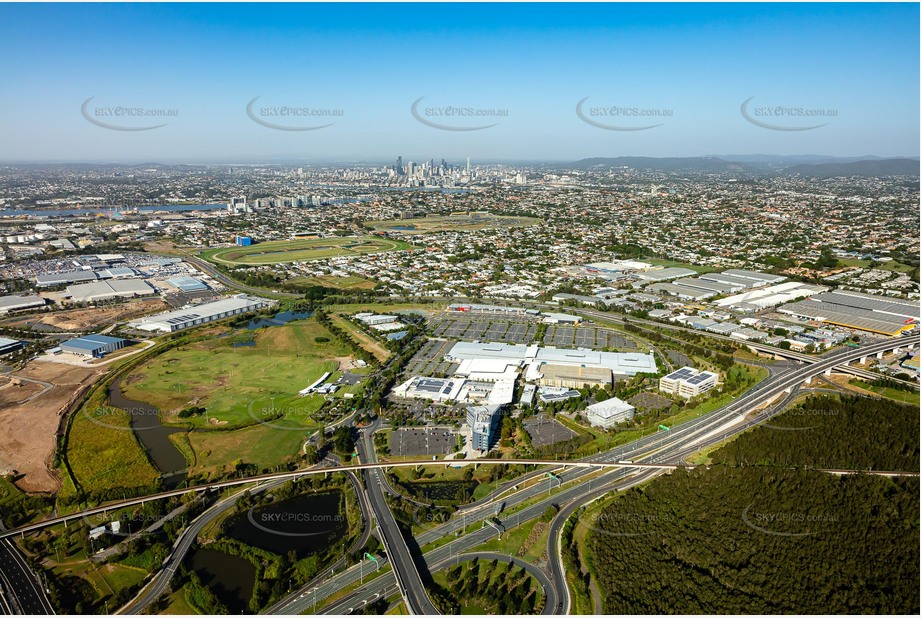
[696,64]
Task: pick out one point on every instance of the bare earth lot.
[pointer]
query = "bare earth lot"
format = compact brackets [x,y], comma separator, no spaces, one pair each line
[29,419]
[88,319]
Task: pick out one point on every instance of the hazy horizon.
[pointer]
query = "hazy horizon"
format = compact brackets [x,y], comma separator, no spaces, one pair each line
[370,161]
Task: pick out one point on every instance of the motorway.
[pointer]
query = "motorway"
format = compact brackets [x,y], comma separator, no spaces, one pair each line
[20,590]
[160,581]
[680,441]
[760,347]
[704,431]
[184,542]
[356,600]
[158,584]
[408,578]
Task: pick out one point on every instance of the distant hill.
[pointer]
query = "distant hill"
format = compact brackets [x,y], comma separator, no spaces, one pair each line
[666,164]
[760,164]
[879,167]
[788,160]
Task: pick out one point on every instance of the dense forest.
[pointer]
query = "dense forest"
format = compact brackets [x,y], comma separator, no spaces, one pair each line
[768,538]
[827,432]
[759,540]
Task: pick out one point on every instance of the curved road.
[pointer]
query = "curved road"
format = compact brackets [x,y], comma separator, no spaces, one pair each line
[357,600]
[733,413]
[161,580]
[690,436]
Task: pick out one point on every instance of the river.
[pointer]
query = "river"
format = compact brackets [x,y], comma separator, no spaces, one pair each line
[153,436]
[76,212]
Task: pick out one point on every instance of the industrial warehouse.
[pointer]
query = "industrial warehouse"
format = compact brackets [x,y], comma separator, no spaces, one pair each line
[618,363]
[93,346]
[771,296]
[187,317]
[20,302]
[728,282]
[486,373]
[105,290]
[187,284]
[9,345]
[883,316]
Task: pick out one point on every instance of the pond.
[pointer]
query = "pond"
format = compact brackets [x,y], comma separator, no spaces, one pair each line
[279,319]
[307,524]
[231,578]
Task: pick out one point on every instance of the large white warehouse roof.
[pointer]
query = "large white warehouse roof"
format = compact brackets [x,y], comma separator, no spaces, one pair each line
[629,363]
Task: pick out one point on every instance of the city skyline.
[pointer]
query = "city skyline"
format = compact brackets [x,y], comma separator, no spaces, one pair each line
[490,82]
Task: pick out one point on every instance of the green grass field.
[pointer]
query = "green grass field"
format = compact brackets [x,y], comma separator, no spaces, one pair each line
[671,263]
[106,580]
[349,282]
[893,266]
[450,223]
[279,252]
[103,452]
[364,340]
[520,537]
[897,267]
[177,605]
[244,385]
[215,452]
[912,397]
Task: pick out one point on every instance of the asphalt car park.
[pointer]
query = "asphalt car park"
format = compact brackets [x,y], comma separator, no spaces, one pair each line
[546,431]
[476,331]
[585,338]
[497,331]
[563,335]
[650,402]
[682,360]
[415,441]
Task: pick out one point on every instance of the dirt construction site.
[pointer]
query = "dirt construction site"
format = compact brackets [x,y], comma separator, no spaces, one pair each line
[91,318]
[32,401]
